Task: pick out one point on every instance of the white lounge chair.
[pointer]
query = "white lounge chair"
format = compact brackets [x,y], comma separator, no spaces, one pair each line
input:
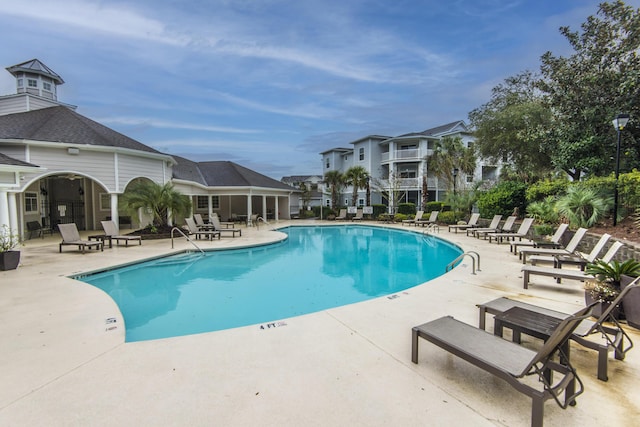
[193,229]
[571,247]
[418,217]
[473,221]
[70,236]
[217,227]
[433,217]
[519,234]
[561,273]
[579,259]
[358,216]
[493,226]
[342,215]
[553,243]
[111,233]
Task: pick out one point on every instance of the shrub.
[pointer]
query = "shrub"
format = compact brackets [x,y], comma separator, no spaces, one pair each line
[326,211]
[433,206]
[543,189]
[502,199]
[583,207]
[379,210]
[544,211]
[544,229]
[449,217]
[407,208]
[400,217]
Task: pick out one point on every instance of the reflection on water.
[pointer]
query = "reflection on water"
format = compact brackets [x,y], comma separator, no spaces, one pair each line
[314,269]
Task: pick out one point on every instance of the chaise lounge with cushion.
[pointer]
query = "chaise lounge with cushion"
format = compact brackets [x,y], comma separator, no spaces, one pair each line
[111,232]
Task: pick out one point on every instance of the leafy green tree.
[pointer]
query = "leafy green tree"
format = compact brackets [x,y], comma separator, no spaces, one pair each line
[449,154]
[159,199]
[502,199]
[582,206]
[358,178]
[335,180]
[305,196]
[513,126]
[586,90]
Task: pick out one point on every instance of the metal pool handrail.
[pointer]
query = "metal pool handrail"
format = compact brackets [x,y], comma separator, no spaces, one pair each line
[471,254]
[185,236]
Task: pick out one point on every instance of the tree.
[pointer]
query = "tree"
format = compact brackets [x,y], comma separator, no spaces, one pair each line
[513,126]
[449,154]
[305,196]
[586,90]
[335,181]
[159,199]
[358,178]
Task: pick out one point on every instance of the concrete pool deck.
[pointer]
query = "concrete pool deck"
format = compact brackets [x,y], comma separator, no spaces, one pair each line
[62,364]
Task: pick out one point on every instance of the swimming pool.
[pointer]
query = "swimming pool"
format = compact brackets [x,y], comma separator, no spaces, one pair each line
[315,268]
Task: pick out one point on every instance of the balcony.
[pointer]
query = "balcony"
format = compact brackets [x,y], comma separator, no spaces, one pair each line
[402,155]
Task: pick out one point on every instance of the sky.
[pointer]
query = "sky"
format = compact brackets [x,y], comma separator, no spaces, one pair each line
[269,84]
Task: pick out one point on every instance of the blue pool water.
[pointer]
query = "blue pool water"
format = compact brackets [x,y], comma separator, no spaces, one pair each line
[314,269]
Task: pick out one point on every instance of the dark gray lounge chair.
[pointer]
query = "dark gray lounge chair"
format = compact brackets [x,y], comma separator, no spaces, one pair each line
[590,334]
[70,236]
[509,361]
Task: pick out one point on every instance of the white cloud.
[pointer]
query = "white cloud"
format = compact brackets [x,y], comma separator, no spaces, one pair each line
[164,124]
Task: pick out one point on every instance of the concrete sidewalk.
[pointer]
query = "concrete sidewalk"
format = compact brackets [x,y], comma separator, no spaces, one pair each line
[61,364]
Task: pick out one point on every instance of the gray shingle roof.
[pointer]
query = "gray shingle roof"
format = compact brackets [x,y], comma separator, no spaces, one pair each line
[223,174]
[438,130]
[60,124]
[37,67]
[10,161]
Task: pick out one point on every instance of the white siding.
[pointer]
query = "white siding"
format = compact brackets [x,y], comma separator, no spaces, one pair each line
[7,178]
[13,104]
[131,167]
[15,151]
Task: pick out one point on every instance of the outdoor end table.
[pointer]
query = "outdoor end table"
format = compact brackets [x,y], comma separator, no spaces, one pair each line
[102,238]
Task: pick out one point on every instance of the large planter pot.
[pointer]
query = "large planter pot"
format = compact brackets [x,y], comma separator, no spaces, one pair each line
[597,309]
[9,260]
[631,302]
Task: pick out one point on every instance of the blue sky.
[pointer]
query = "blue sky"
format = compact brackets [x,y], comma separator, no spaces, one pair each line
[270,84]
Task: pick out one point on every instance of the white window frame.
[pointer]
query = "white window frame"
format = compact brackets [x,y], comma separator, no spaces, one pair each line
[46,86]
[360,203]
[361,154]
[105,201]
[32,83]
[30,202]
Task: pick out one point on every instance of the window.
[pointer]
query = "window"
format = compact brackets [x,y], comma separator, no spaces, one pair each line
[46,86]
[20,82]
[31,202]
[328,164]
[32,83]
[361,202]
[328,203]
[105,202]
[470,178]
[346,202]
[361,152]
[202,202]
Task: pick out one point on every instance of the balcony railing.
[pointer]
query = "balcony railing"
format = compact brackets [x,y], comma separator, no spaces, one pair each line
[413,154]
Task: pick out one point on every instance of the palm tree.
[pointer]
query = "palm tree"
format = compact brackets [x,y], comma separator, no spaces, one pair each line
[357,177]
[449,154]
[335,181]
[159,199]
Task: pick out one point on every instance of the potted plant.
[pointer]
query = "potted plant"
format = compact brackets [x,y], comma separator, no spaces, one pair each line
[9,259]
[606,285]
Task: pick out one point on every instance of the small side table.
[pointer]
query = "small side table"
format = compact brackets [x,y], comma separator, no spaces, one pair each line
[102,238]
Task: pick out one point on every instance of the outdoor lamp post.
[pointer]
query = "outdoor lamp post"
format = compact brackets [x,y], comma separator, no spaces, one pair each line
[455,178]
[619,123]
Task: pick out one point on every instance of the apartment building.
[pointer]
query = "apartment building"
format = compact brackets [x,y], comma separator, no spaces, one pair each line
[398,165]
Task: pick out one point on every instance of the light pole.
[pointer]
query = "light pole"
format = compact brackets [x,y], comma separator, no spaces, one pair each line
[619,123]
[455,178]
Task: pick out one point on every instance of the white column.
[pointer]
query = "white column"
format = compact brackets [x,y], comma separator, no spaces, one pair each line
[264,208]
[276,214]
[4,208]
[249,209]
[210,204]
[114,211]
[13,213]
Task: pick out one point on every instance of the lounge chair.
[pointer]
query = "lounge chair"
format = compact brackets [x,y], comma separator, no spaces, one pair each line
[521,233]
[595,335]
[473,221]
[358,216]
[560,273]
[509,361]
[34,227]
[571,247]
[418,217]
[553,243]
[342,215]
[578,259]
[193,229]
[433,217]
[507,227]
[111,232]
[70,236]
[224,224]
[200,223]
[217,227]
[493,226]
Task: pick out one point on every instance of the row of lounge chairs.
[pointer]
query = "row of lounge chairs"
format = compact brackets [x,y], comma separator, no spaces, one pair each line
[550,363]
[71,237]
[513,363]
[342,216]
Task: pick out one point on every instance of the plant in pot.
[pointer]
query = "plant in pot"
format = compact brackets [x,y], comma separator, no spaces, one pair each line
[607,283]
[9,259]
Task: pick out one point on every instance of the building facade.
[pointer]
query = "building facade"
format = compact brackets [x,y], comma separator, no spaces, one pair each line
[397,166]
[57,166]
